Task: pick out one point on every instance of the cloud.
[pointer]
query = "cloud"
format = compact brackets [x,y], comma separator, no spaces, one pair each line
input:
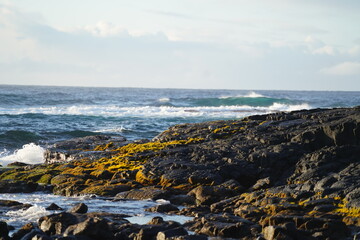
[173,14]
[107,54]
[329,50]
[104,29]
[355,50]
[343,69]
[318,47]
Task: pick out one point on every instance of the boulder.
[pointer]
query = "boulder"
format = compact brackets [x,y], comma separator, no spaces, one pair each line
[93,228]
[23,231]
[180,231]
[10,186]
[53,206]
[56,224]
[4,231]
[163,208]
[79,208]
[153,193]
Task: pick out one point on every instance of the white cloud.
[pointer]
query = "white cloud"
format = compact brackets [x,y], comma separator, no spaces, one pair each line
[354,51]
[319,47]
[343,69]
[329,50]
[104,29]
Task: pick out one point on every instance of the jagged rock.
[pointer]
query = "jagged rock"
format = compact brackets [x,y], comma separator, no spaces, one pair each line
[180,231]
[13,205]
[151,231]
[53,206]
[156,221]
[4,231]
[23,231]
[274,232]
[153,193]
[94,228]
[210,194]
[35,234]
[10,186]
[77,148]
[56,224]
[182,199]
[163,208]
[79,208]
[18,164]
[106,190]
[292,175]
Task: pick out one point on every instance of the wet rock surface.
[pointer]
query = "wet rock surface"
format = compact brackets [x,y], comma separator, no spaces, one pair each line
[289,175]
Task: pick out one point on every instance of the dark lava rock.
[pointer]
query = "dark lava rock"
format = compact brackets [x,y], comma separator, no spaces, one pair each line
[56,224]
[79,208]
[36,234]
[153,193]
[163,208]
[94,228]
[27,228]
[9,186]
[18,164]
[53,206]
[78,148]
[210,194]
[180,231]
[156,221]
[151,231]
[4,231]
[285,175]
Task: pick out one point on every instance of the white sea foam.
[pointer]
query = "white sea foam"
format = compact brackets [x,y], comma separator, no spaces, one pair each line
[112,130]
[161,111]
[249,95]
[29,153]
[40,201]
[253,95]
[164,100]
[31,214]
[288,107]
[162,201]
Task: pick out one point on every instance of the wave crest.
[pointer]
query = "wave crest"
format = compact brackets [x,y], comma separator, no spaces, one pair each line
[29,153]
[166,111]
[31,214]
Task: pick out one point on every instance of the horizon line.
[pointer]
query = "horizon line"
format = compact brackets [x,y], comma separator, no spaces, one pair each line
[174,88]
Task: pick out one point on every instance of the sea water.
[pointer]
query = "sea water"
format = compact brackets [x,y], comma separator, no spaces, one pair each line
[33,117]
[40,201]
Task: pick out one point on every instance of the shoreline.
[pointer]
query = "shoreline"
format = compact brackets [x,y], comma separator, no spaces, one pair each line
[291,175]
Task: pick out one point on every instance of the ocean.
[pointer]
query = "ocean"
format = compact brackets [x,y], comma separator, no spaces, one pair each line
[32,117]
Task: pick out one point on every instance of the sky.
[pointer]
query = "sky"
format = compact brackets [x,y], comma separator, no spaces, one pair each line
[208,44]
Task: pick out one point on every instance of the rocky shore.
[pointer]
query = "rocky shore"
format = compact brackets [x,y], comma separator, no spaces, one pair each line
[292,175]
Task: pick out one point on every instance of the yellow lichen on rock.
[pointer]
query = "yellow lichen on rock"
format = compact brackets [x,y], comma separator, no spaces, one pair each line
[142,178]
[104,147]
[345,211]
[221,129]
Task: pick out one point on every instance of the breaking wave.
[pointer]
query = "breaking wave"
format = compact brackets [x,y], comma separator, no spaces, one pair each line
[29,153]
[218,110]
